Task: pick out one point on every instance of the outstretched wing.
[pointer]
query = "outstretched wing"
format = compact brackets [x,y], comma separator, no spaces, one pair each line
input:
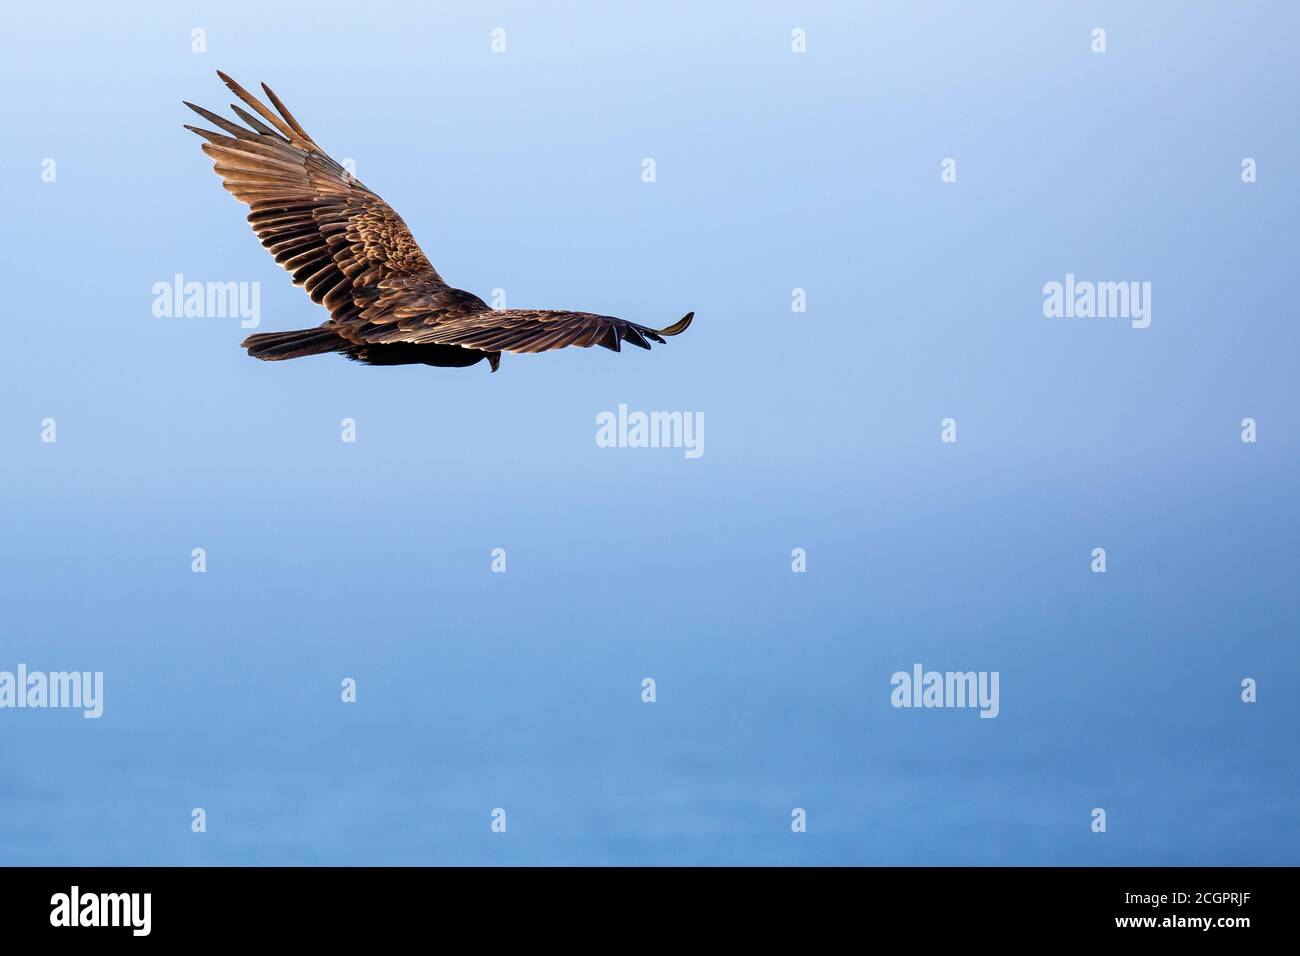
[511,330]
[340,241]
[354,254]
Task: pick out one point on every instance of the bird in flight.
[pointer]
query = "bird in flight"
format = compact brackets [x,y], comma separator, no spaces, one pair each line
[355,256]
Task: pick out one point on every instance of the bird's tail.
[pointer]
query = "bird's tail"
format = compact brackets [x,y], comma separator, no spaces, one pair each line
[274,346]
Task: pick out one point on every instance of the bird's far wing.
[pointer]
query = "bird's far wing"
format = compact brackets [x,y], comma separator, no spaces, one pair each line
[340,241]
[515,330]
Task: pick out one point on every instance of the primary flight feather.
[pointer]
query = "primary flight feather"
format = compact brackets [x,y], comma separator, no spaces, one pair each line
[354,255]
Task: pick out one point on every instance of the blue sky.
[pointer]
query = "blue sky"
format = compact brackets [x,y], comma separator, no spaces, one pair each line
[775,171]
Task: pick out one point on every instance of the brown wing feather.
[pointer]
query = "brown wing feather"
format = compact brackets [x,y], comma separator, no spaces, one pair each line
[521,330]
[340,240]
[353,253]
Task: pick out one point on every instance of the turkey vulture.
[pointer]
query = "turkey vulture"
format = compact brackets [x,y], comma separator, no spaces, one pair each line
[355,256]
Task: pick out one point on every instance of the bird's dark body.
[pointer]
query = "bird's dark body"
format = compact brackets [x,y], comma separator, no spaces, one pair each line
[443,356]
[355,256]
[274,346]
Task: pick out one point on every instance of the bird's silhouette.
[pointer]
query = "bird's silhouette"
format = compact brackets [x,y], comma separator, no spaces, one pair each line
[355,256]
